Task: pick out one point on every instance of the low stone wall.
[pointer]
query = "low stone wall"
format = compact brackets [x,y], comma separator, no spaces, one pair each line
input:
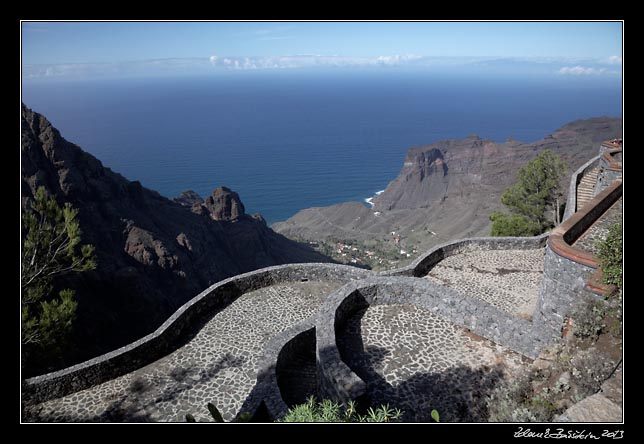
[563,285]
[571,202]
[336,380]
[340,383]
[423,264]
[292,352]
[169,334]
[277,352]
[610,169]
[566,269]
[563,236]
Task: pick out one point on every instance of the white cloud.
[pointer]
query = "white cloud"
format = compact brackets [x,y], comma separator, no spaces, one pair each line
[614,60]
[581,71]
[307,60]
[396,59]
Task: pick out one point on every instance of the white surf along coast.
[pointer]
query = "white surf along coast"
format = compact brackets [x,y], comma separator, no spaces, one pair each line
[369,200]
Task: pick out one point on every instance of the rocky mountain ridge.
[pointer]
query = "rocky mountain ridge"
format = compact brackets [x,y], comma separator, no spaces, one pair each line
[153,253]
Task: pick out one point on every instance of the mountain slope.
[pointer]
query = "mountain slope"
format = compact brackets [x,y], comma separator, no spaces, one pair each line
[153,253]
[444,191]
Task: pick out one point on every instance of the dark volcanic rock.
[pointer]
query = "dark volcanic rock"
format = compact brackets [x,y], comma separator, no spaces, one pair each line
[153,253]
[188,199]
[224,204]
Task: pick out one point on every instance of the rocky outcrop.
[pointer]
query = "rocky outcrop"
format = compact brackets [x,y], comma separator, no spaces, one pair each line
[224,204]
[188,199]
[153,253]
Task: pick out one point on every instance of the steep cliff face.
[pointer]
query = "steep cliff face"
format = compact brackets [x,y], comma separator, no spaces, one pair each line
[153,253]
[423,179]
[464,169]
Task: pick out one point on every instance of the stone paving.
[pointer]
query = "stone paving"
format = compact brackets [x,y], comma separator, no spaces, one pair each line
[218,365]
[598,231]
[506,279]
[415,360]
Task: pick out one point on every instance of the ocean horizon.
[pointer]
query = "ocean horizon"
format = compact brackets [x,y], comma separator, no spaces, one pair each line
[292,141]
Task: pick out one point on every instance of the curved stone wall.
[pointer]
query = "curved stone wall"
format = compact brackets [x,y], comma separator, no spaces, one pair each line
[277,352]
[566,268]
[338,382]
[423,264]
[575,179]
[610,168]
[171,332]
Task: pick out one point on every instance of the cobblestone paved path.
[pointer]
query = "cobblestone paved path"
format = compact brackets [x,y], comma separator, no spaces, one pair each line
[507,279]
[218,365]
[417,361]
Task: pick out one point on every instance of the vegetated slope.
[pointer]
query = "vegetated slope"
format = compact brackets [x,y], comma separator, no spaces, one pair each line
[153,253]
[444,191]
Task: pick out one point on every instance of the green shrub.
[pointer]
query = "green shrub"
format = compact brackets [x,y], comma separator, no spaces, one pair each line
[588,319]
[589,370]
[329,411]
[506,224]
[515,401]
[610,255]
[323,411]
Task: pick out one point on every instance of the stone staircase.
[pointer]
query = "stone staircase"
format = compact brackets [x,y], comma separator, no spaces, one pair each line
[586,188]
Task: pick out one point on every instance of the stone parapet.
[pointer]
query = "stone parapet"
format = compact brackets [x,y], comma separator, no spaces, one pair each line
[575,180]
[172,332]
[340,383]
[423,264]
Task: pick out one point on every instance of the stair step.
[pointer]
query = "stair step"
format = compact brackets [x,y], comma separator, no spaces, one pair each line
[586,187]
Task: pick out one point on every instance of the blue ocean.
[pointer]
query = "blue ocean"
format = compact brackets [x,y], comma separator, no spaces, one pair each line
[289,141]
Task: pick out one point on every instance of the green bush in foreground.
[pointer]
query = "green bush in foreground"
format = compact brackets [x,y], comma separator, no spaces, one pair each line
[515,401]
[506,224]
[329,411]
[610,256]
[323,411]
[589,319]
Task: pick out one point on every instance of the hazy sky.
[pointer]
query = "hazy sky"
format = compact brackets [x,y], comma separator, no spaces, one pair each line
[92,42]
[63,48]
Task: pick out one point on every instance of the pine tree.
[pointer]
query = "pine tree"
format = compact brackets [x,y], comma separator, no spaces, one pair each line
[534,201]
[50,247]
